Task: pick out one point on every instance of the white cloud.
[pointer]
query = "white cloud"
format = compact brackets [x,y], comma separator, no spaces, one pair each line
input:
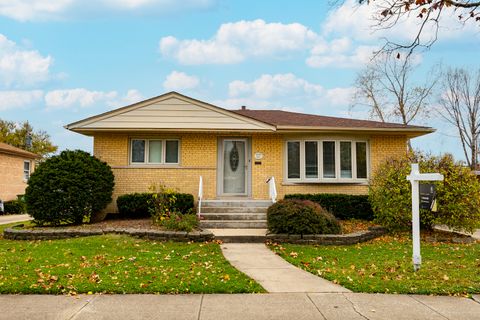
[83,98]
[19,99]
[341,57]
[285,92]
[268,86]
[21,67]
[236,41]
[33,10]
[177,81]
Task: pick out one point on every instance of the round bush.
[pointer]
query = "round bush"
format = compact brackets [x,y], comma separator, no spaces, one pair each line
[301,217]
[69,188]
[458,196]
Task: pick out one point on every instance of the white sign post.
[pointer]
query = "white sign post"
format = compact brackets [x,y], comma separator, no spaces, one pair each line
[414,177]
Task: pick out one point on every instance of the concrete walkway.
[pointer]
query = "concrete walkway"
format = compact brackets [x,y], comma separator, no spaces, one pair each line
[272,272]
[278,306]
[11,218]
[475,234]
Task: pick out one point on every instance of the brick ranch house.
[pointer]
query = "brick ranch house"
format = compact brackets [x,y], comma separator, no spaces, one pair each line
[173,139]
[16,165]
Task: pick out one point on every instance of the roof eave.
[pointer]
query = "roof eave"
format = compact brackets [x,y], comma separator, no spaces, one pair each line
[26,154]
[92,131]
[411,132]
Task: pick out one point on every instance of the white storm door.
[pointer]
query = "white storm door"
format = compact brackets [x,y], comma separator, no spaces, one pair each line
[235,167]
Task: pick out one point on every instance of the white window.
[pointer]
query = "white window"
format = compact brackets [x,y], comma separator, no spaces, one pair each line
[327,161]
[26,170]
[154,151]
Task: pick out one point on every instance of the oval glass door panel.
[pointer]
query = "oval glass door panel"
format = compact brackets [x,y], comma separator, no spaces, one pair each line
[234,167]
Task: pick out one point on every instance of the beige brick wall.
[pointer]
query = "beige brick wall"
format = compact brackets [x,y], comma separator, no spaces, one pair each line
[11,176]
[199,157]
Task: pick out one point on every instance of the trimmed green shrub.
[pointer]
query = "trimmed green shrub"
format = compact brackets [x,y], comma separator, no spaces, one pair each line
[135,205]
[140,205]
[68,188]
[301,217]
[458,196]
[184,203]
[14,207]
[342,206]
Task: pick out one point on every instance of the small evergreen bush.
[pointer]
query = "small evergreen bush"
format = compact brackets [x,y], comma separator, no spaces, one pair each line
[301,217]
[69,188]
[342,206]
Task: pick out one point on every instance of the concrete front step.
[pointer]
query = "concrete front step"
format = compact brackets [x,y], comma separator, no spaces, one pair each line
[241,239]
[236,203]
[233,216]
[234,209]
[233,224]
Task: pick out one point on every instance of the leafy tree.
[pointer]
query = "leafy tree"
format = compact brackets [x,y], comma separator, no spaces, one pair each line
[69,188]
[458,194]
[15,134]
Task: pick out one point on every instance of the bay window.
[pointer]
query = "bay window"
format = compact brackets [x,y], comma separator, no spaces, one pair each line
[345,159]
[311,159]
[293,150]
[328,161]
[154,151]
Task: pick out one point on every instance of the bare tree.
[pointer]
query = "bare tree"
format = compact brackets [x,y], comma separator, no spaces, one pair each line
[460,106]
[429,13]
[386,88]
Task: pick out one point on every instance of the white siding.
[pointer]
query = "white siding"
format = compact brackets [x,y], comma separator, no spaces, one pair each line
[174,113]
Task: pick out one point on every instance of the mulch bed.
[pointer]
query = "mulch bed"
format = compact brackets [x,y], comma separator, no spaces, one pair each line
[351,226]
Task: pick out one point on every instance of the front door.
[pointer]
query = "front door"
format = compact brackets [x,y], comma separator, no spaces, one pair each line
[233,167]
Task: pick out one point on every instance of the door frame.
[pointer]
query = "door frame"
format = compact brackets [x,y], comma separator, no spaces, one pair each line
[220,164]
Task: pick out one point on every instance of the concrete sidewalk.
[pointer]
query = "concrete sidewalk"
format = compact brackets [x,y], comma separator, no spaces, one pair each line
[238,306]
[11,218]
[272,272]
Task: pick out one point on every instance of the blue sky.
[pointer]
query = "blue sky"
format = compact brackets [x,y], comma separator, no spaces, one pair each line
[66,60]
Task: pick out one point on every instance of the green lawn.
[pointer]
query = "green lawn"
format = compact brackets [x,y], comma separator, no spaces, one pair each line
[384,265]
[117,264]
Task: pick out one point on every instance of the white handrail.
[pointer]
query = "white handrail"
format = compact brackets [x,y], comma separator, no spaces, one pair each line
[272,189]
[200,195]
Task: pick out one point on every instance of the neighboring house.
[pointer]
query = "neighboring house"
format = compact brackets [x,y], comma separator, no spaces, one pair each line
[16,165]
[173,140]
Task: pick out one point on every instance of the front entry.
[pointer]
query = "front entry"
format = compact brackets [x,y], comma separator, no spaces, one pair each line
[233,167]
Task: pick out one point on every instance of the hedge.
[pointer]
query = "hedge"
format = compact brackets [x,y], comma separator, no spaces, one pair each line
[342,206]
[139,205]
[14,207]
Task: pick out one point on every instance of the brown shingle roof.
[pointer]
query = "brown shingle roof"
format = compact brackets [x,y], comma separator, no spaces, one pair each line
[6,148]
[286,118]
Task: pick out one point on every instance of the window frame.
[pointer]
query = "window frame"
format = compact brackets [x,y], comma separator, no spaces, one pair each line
[146,158]
[26,174]
[321,179]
